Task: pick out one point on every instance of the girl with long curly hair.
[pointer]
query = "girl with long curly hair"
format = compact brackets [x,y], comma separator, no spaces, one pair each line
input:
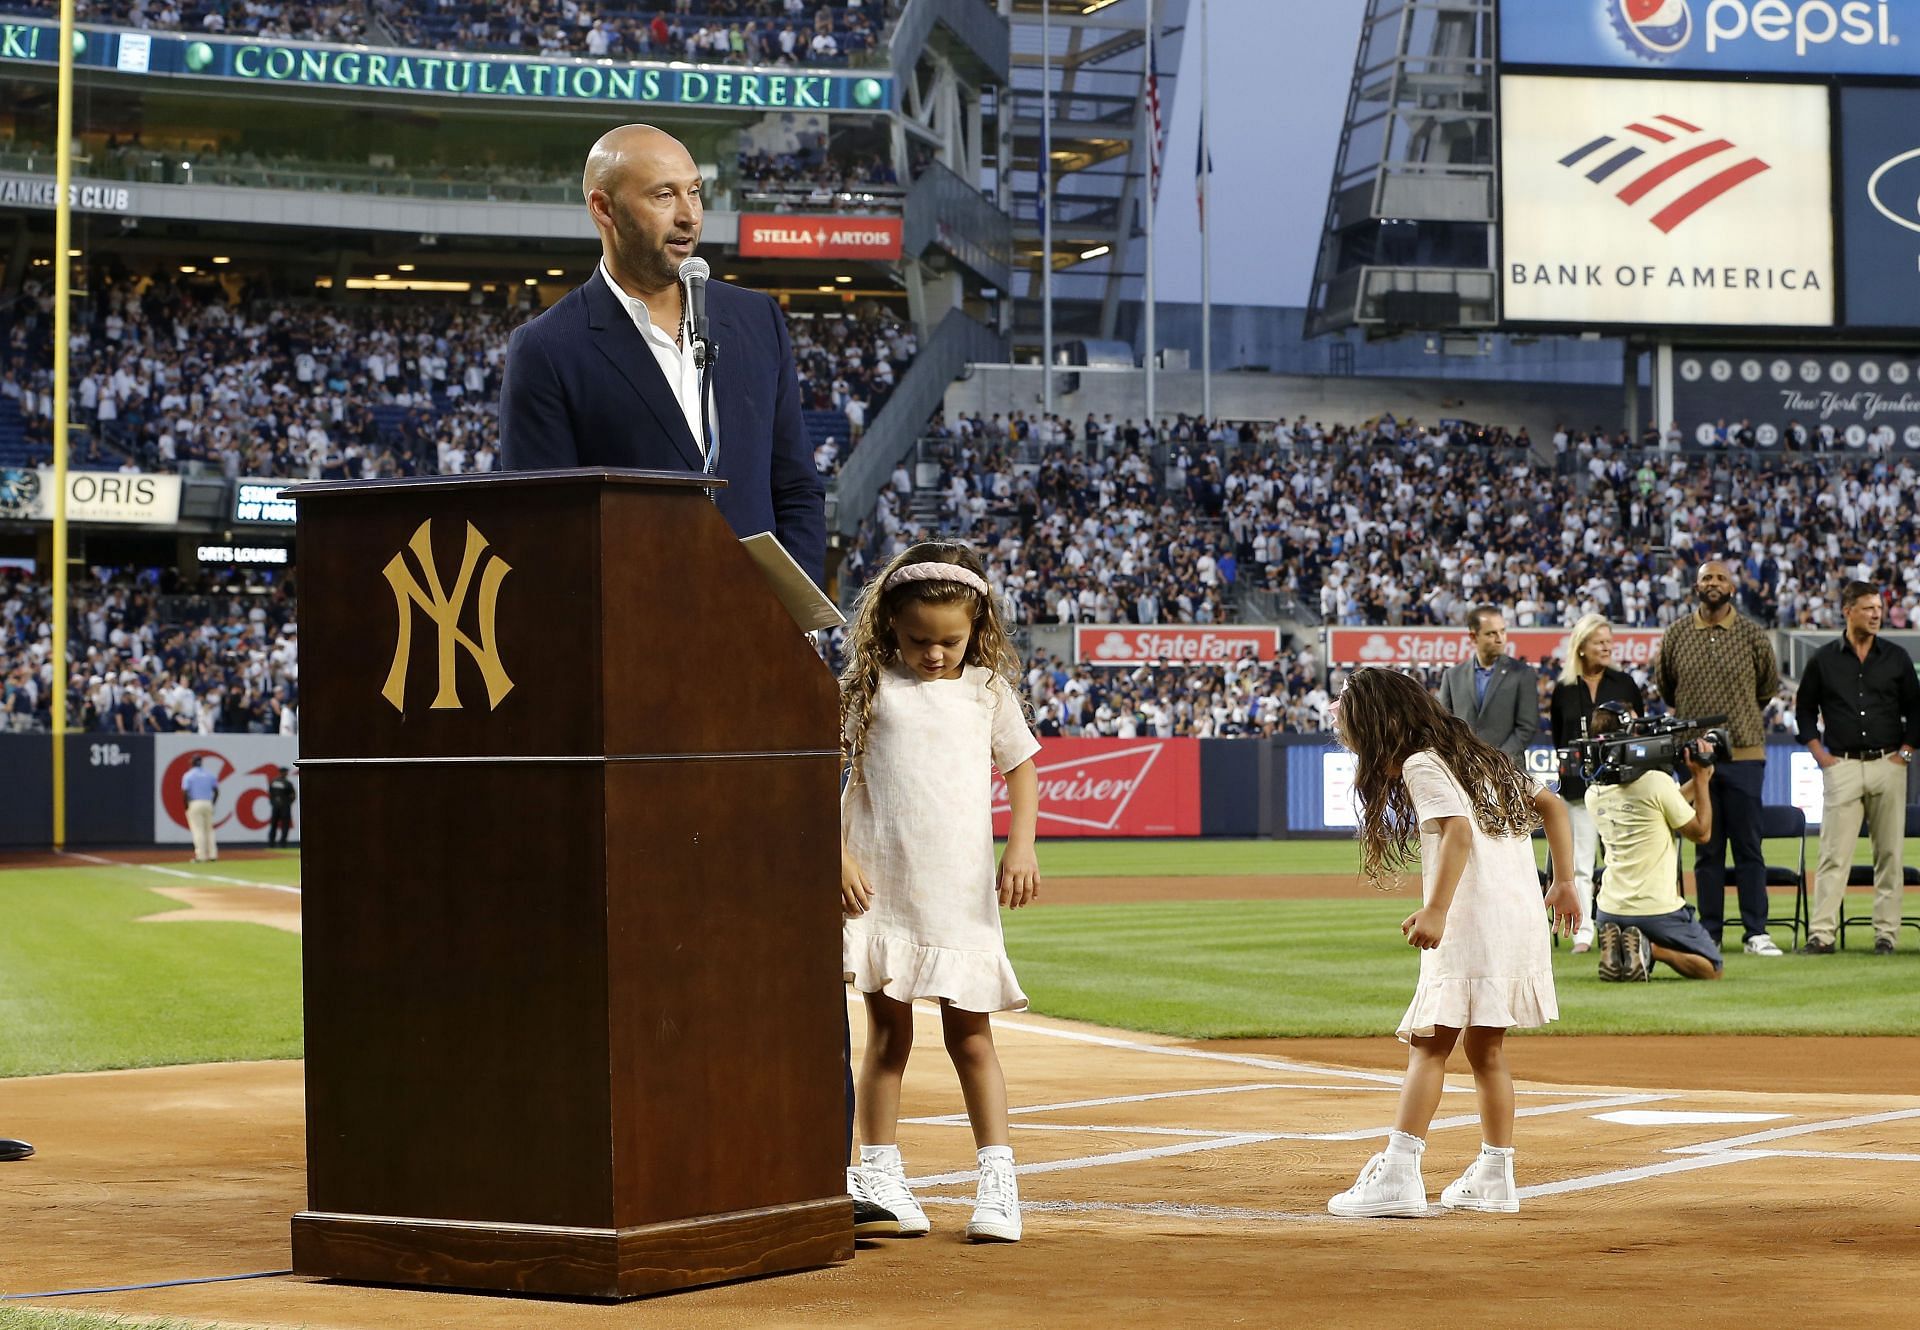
[928,707]
[1482,928]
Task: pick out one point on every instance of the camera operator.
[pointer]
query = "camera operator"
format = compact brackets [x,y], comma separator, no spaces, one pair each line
[1641,914]
[1858,707]
[1717,661]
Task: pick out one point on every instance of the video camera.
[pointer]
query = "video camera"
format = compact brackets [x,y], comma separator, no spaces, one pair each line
[1646,743]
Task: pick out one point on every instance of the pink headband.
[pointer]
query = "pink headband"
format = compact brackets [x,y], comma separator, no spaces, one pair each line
[938,572]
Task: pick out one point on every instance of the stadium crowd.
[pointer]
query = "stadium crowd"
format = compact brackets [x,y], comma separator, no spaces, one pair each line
[284,20]
[167,373]
[750,32]
[1377,526]
[153,655]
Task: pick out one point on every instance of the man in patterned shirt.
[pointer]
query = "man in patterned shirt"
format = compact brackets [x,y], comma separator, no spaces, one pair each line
[1716,662]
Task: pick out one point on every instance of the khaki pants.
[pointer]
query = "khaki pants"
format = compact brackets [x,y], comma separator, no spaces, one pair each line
[200,823]
[1880,788]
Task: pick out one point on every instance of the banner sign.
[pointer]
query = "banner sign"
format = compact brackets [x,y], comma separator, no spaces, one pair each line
[1810,37]
[1348,647]
[439,73]
[1113,787]
[1181,644]
[798,236]
[1810,398]
[242,763]
[261,501]
[1636,201]
[34,191]
[1880,205]
[92,496]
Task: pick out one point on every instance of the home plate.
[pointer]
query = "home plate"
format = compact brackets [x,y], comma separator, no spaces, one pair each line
[1652,1117]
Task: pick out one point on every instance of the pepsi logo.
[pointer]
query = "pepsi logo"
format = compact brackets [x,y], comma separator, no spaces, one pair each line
[1652,29]
[1894,189]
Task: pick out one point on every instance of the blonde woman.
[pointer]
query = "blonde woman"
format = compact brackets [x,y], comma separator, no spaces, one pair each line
[1587,679]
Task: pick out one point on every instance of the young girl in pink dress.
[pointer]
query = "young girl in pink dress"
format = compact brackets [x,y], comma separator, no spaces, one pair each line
[1485,947]
[929,708]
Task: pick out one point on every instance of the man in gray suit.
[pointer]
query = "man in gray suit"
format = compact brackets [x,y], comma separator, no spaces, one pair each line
[1493,692]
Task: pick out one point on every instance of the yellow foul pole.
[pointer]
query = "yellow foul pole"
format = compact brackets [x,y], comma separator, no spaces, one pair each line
[62,296]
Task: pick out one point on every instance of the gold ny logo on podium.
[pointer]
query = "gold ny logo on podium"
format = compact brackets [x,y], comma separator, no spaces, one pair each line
[444,609]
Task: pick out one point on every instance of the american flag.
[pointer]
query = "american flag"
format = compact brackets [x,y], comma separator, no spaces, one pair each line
[1202,168]
[1157,143]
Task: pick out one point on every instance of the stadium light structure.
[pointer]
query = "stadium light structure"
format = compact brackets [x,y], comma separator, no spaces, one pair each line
[1408,241]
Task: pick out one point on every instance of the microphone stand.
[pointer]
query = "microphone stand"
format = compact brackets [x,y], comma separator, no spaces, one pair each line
[705,354]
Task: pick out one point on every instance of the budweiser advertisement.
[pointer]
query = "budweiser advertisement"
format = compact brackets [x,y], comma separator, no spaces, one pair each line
[1190,645]
[242,763]
[766,235]
[1449,646]
[1113,787]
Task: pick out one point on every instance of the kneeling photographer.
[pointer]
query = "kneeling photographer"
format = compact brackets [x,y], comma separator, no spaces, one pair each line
[1637,806]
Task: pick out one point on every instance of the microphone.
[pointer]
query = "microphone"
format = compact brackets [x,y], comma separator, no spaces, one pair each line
[693,275]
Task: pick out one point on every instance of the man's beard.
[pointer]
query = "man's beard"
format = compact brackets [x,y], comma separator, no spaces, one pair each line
[1713,600]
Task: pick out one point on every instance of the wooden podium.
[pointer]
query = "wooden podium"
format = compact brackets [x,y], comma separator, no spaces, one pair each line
[570,778]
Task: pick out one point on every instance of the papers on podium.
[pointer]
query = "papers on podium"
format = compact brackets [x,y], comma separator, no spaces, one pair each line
[804,601]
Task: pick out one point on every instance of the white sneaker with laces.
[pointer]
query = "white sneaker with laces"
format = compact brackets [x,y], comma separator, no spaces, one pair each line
[870,1218]
[1486,1186]
[1760,944]
[1386,1187]
[996,1204]
[887,1184]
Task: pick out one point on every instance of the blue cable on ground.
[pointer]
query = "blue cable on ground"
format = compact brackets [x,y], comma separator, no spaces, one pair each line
[136,1288]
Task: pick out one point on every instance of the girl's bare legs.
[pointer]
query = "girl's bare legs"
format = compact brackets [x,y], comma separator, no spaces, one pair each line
[1426,1079]
[889,1041]
[969,1037]
[1492,1084]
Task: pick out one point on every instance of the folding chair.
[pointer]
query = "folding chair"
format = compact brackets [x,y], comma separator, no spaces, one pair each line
[1778,822]
[1861,875]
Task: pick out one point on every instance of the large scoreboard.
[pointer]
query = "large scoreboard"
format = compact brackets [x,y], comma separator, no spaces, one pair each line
[1676,165]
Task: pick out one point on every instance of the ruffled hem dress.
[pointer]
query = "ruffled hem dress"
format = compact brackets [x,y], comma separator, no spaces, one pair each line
[1494,964]
[919,822]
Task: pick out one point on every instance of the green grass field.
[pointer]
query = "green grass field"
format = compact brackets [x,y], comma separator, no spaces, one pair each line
[24,1318]
[84,987]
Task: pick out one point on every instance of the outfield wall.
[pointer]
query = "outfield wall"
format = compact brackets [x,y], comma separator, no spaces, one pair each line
[124,790]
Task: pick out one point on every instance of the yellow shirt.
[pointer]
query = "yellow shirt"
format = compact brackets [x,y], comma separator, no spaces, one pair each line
[1636,824]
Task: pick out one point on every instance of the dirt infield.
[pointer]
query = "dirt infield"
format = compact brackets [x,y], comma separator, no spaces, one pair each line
[1166,1184]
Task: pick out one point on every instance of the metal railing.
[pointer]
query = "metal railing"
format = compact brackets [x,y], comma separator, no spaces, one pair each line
[945,210]
[172,168]
[959,341]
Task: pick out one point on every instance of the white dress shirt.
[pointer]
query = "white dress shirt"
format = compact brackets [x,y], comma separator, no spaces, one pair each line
[675,363]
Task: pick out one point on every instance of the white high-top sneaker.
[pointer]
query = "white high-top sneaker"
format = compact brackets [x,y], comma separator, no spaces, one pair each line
[886,1181]
[1386,1187]
[996,1206]
[1486,1186]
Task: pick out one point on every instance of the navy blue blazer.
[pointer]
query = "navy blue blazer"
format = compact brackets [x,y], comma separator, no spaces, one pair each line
[581,388]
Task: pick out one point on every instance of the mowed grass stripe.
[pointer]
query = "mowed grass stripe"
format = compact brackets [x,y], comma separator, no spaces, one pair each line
[85,987]
[1252,858]
[1272,969]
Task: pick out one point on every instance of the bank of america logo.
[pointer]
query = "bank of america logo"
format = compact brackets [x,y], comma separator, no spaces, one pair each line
[1665,149]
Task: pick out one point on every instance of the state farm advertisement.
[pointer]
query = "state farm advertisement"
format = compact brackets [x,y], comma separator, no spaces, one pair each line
[1181,644]
[789,236]
[1349,647]
[242,763]
[1113,787]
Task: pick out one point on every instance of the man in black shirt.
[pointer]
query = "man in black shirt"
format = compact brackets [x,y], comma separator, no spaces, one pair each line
[280,797]
[1863,696]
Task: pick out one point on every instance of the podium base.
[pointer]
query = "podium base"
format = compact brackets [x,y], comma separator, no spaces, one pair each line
[608,1263]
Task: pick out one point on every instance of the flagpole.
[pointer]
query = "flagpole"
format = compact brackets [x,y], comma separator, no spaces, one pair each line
[1153,182]
[1206,239]
[1046,216]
